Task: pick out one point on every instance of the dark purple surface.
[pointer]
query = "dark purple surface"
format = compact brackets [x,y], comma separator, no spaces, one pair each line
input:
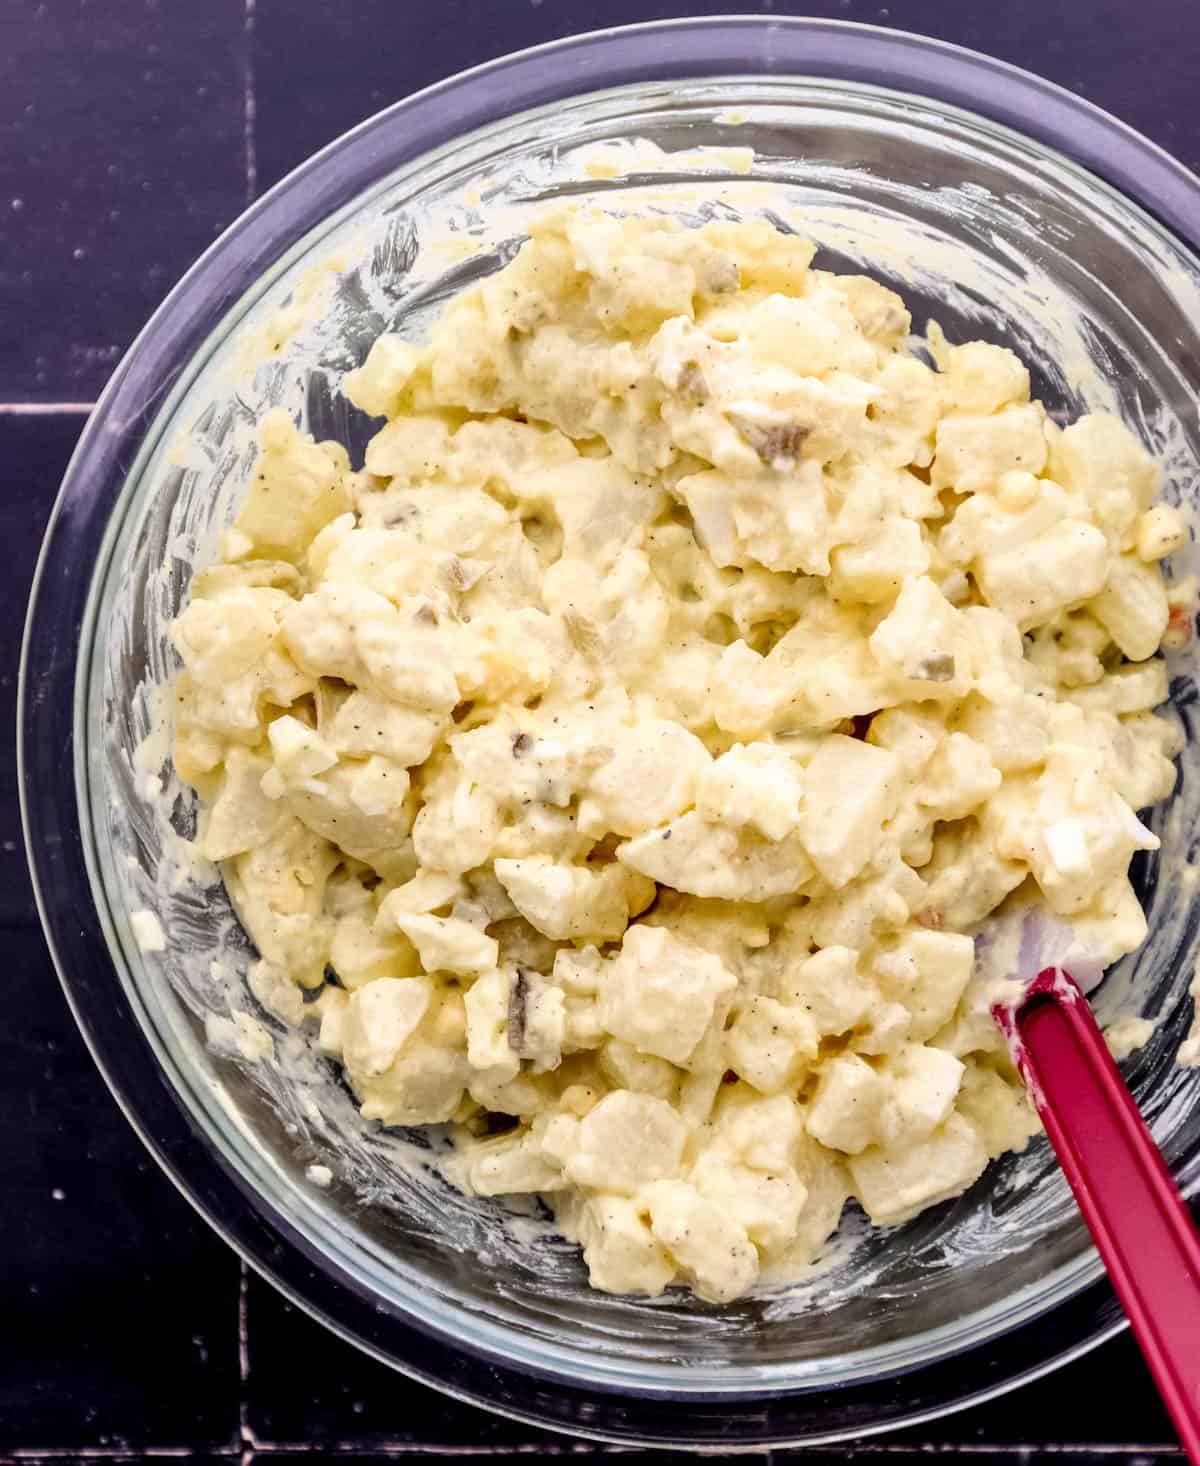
[130,134]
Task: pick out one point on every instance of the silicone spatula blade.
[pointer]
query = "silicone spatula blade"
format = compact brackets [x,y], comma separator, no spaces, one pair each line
[1140,1223]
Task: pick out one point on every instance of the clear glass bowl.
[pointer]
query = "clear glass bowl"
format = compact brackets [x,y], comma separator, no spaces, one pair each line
[901,155]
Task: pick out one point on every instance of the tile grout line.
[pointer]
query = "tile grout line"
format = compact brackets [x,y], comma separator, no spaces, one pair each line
[245,1437]
[249,103]
[42,409]
[107,1453]
[102,1453]
[780,1456]
[349,1450]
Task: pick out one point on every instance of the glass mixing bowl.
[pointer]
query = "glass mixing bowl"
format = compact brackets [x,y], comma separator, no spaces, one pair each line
[944,173]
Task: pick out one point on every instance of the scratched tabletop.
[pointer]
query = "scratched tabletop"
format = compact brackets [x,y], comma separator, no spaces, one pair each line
[131,133]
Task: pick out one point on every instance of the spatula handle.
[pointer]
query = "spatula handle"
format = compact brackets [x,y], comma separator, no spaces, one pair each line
[1141,1225]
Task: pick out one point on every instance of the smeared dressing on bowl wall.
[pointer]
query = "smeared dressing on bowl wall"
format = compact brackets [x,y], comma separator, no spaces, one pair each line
[389,1200]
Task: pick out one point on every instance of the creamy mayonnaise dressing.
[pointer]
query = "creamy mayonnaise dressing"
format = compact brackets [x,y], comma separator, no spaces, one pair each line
[642,735]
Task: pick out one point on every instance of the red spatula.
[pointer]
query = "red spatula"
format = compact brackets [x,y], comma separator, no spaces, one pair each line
[1141,1225]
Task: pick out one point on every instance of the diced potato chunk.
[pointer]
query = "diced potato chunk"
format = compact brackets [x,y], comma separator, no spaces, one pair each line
[895,1183]
[660,993]
[627,1141]
[851,787]
[704,1240]
[848,1107]
[297,488]
[1133,608]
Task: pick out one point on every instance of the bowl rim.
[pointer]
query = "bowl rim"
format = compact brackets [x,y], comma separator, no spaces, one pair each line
[933,71]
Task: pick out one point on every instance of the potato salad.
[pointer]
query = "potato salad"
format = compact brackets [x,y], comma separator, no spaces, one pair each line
[617,767]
